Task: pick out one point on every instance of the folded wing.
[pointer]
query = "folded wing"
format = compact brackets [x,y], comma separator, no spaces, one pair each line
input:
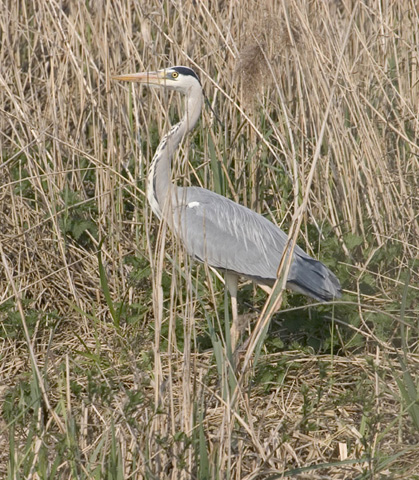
[232,237]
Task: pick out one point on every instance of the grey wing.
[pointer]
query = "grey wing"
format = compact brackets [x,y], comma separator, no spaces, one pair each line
[232,237]
[227,235]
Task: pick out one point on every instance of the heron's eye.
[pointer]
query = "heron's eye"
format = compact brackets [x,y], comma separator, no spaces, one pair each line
[175,74]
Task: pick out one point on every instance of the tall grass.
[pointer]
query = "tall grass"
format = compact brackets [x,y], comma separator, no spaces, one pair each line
[114,361]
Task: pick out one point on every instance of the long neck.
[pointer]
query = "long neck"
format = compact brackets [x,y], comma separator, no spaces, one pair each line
[159,176]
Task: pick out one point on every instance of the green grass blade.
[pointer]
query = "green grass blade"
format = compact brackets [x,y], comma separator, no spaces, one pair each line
[105,287]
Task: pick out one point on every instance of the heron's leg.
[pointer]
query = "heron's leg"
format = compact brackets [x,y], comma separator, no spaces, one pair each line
[231,280]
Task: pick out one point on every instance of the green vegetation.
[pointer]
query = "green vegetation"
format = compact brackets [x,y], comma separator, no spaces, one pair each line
[115,356]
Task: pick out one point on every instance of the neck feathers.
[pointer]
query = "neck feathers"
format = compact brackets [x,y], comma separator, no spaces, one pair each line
[159,176]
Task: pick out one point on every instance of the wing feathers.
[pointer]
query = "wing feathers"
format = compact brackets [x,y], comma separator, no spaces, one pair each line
[232,237]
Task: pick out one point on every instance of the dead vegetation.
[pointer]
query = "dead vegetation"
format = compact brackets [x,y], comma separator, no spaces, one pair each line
[117,375]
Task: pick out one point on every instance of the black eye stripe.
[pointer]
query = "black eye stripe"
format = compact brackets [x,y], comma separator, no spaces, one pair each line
[186,71]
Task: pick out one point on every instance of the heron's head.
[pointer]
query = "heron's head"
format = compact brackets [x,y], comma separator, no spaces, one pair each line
[181,79]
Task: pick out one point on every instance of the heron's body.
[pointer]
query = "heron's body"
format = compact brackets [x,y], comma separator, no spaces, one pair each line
[215,230]
[233,238]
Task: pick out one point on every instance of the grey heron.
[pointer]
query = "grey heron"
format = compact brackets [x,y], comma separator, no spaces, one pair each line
[214,229]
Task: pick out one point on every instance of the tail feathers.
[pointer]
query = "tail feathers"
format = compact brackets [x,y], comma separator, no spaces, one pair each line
[313,278]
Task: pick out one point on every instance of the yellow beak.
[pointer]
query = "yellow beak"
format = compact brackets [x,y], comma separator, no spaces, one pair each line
[153,78]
